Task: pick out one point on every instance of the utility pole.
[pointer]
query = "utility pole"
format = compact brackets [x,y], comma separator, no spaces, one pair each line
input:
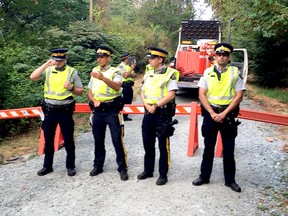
[91,11]
[229,28]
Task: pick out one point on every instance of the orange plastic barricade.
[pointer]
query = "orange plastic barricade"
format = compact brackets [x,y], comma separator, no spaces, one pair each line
[193,131]
[184,59]
[58,140]
[219,146]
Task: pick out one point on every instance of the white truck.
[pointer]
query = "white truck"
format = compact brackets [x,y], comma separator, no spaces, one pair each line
[197,39]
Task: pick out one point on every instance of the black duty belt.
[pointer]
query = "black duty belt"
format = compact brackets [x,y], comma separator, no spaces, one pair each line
[219,108]
[127,83]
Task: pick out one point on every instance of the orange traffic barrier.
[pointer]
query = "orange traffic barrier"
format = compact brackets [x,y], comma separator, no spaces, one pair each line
[58,140]
[255,116]
[219,146]
[182,109]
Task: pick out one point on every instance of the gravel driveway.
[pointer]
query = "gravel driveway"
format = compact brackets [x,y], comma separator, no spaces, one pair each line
[260,163]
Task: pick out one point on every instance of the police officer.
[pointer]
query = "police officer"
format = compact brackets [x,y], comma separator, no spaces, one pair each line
[127,81]
[221,90]
[104,91]
[158,95]
[61,84]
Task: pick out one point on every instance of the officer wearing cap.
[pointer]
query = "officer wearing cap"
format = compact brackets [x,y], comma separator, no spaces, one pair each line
[62,83]
[127,80]
[221,90]
[105,95]
[158,96]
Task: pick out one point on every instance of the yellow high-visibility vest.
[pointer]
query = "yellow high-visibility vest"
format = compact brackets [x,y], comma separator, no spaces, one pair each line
[221,92]
[155,85]
[148,67]
[126,68]
[100,90]
[54,83]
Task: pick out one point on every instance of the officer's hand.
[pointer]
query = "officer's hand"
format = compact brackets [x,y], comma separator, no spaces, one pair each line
[97,75]
[126,74]
[50,62]
[219,117]
[97,103]
[133,66]
[68,85]
[151,108]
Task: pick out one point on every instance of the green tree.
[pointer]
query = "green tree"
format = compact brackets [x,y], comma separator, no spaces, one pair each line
[261,26]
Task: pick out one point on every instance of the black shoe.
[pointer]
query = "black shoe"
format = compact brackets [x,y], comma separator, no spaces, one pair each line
[234,186]
[44,171]
[127,119]
[124,176]
[144,175]
[161,181]
[96,171]
[200,181]
[71,172]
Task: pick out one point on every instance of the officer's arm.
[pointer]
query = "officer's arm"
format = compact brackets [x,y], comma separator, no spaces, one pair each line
[78,91]
[89,95]
[36,74]
[170,96]
[96,103]
[235,102]
[150,108]
[204,101]
[128,73]
[114,85]
[76,86]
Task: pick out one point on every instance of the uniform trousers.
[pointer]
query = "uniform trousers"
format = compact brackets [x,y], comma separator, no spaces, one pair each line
[150,124]
[100,121]
[228,131]
[64,118]
[127,95]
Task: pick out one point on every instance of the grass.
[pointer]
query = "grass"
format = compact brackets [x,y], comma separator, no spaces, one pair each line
[271,100]
[279,94]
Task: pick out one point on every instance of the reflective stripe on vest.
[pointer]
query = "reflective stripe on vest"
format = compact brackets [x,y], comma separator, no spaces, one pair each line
[155,85]
[100,90]
[126,68]
[54,83]
[221,92]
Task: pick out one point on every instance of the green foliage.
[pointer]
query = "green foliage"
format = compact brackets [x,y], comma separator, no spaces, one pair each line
[261,27]
[30,28]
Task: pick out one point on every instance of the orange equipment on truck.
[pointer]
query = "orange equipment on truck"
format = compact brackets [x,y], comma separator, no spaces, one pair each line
[197,39]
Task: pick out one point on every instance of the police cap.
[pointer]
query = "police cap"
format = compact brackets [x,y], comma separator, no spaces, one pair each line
[155,51]
[124,56]
[59,54]
[223,48]
[103,50]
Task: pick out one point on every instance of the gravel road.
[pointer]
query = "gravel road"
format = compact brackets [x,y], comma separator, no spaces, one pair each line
[260,164]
